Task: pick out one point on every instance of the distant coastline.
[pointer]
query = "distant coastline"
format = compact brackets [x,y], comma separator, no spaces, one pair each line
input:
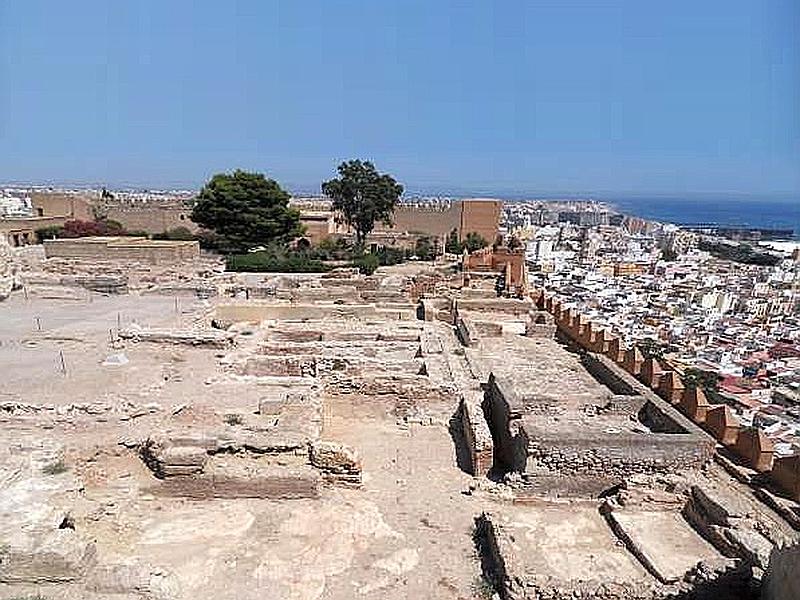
[766,214]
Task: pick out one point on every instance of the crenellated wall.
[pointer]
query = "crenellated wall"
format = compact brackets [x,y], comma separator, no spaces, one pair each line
[751,446]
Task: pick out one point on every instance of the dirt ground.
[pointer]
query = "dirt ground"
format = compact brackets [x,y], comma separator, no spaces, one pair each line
[407,532]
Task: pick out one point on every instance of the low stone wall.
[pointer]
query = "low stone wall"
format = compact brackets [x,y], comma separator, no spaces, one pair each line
[756,451]
[192,337]
[504,305]
[339,464]
[283,484]
[278,366]
[619,455]
[465,332]
[524,445]
[503,423]
[477,436]
[123,248]
[256,311]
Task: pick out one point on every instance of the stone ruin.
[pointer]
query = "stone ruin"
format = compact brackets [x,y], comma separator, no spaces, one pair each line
[337,435]
[8,280]
[611,482]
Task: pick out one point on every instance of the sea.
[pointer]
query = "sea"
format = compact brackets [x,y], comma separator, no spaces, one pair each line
[727,212]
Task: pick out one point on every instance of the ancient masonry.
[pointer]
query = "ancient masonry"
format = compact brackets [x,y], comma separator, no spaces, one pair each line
[749,447]
[174,432]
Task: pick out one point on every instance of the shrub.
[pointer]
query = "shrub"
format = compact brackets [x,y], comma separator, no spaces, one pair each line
[474,241]
[274,261]
[452,245]
[425,248]
[181,234]
[367,263]
[332,248]
[49,232]
[208,239]
[390,256]
[76,228]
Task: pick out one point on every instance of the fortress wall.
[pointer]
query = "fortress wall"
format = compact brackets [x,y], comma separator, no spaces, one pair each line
[438,223]
[464,216]
[59,204]
[152,219]
[482,217]
[784,471]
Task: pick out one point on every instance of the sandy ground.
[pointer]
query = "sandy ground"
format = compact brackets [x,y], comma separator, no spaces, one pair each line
[406,533]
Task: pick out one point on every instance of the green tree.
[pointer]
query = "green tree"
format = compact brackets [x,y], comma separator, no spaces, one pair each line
[177,233]
[367,263]
[246,210]
[453,245]
[707,380]
[363,196]
[49,232]
[426,248]
[474,241]
[651,348]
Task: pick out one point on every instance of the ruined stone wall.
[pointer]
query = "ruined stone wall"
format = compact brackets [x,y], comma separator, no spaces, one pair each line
[522,444]
[477,437]
[22,231]
[234,312]
[619,370]
[505,434]
[114,248]
[465,331]
[621,455]
[495,305]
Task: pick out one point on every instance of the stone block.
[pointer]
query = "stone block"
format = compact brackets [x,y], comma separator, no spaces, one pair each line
[755,449]
[722,424]
[694,404]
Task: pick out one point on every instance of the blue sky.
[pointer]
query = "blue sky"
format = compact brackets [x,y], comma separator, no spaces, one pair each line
[504,97]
